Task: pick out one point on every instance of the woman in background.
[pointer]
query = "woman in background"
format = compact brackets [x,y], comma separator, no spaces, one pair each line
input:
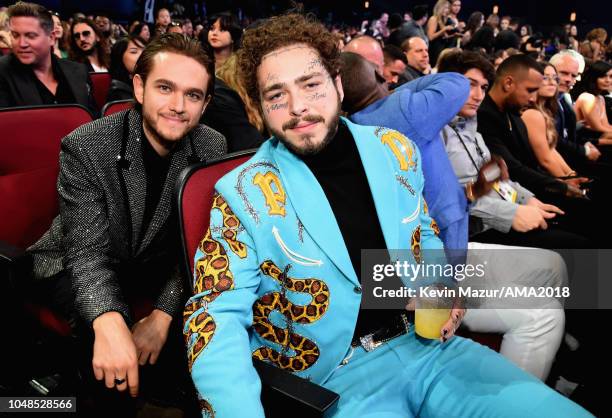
[475,22]
[224,37]
[60,48]
[540,123]
[124,55]
[142,31]
[589,95]
[440,30]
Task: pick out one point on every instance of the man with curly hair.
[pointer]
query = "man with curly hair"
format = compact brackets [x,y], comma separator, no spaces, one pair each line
[278,277]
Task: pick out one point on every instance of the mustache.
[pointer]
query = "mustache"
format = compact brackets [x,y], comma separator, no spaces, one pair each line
[293,123]
[175,115]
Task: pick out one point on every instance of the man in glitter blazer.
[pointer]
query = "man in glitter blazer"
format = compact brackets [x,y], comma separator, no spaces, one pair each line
[115,241]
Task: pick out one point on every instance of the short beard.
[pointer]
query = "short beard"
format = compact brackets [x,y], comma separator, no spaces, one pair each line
[309,147]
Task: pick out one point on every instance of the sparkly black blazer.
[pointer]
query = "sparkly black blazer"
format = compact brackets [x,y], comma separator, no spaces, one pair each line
[102,202]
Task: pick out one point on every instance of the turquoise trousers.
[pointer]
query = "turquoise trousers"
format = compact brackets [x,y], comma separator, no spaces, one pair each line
[412,377]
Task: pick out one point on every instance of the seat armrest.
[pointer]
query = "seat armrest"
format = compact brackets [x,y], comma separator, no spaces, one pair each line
[282,390]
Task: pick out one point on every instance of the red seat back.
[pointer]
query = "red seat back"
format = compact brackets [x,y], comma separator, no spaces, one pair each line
[29,164]
[116,106]
[195,189]
[101,84]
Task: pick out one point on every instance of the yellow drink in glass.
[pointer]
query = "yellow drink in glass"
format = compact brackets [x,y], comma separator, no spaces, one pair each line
[428,322]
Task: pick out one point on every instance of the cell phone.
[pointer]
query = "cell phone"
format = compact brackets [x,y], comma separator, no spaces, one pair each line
[492,172]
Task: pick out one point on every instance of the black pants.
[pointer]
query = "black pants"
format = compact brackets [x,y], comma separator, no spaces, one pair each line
[166,384]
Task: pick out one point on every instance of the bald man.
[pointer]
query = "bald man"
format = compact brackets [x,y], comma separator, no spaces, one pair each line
[417,54]
[370,49]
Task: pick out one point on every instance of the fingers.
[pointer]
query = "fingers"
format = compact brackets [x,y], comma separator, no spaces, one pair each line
[153,357]
[552,208]
[505,175]
[98,373]
[449,328]
[132,380]
[109,379]
[548,215]
[121,387]
[143,356]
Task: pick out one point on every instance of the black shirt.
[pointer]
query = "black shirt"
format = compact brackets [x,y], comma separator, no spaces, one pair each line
[339,171]
[62,95]
[156,169]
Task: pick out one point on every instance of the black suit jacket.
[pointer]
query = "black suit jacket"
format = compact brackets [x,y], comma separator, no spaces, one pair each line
[18,87]
[99,232]
[226,113]
[569,147]
[522,164]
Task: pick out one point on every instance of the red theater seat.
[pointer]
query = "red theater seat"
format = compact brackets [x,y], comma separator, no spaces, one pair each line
[282,391]
[101,84]
[116,106]
[29,164]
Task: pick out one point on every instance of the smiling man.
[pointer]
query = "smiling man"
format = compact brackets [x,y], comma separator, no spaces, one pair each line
[32,75]
[116,237]
[278,277]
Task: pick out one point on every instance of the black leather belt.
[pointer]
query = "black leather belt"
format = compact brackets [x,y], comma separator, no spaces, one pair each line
[397,326]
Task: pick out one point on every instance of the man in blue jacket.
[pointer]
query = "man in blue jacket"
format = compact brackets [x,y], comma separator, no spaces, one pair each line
[419,110]
[277,274]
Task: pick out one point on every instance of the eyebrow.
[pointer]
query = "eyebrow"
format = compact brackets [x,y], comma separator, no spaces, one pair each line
[301,79]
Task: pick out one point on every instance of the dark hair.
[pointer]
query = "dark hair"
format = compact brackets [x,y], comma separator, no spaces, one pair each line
[463,61]
[507,39]
[588,81]
[178,44]
[280,31]
[420,11]
[138,28]
[529,30]
[395,21]
[23,9]
[117,69]
[393,53]
[473,22]
[75,53]
[483,38]
[517,64]
[228,22]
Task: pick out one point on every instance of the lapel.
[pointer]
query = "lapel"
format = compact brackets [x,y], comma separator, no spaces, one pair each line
[75,83]
[380,174]
[134,176]
[313,209]
[25,83]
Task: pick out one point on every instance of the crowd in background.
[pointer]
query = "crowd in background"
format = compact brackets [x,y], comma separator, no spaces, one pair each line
[400,48]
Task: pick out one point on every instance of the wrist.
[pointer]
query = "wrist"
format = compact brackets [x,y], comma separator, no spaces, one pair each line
[161,316]
[111,317]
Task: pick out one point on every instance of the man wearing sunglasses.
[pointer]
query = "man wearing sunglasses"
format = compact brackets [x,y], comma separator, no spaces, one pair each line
[32,75]
[87,45]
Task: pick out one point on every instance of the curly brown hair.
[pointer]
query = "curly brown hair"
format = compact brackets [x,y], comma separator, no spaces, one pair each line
[278,32]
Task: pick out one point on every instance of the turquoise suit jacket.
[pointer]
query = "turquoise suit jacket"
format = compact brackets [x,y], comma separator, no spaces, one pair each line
[273,279]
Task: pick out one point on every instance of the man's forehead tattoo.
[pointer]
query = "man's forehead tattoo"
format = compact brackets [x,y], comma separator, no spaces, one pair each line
[285,49]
